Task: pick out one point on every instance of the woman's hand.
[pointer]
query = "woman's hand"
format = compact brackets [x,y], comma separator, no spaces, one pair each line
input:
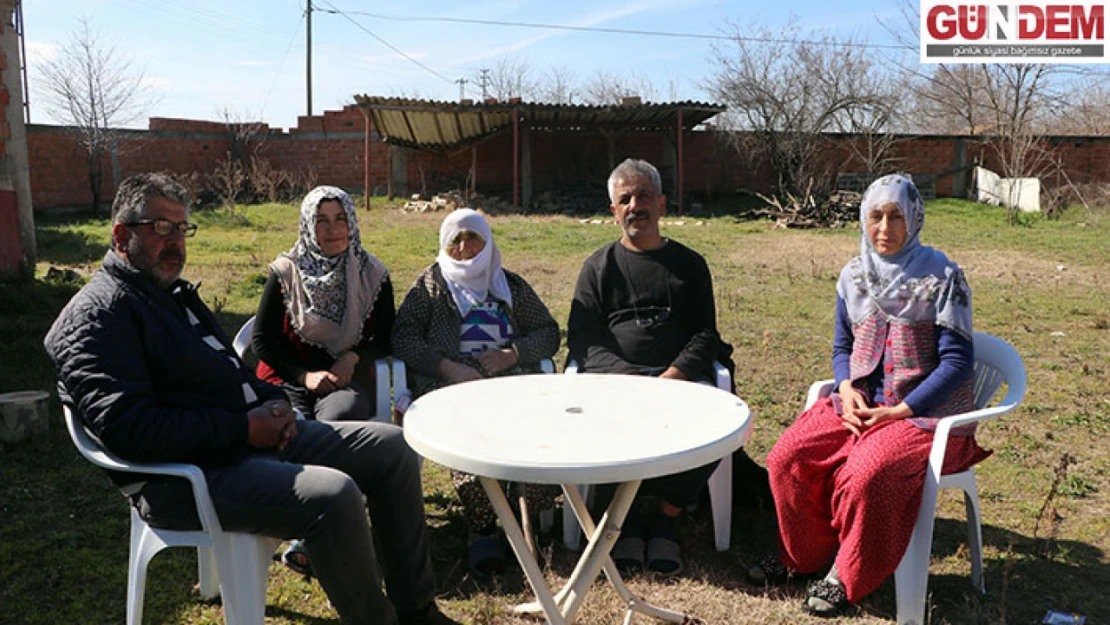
[321,382]
[874,417]
[344,368]
[457,372]
[495,360]
[852,402]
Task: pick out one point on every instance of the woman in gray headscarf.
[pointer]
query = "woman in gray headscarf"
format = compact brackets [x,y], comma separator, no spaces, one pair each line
[467,318]
[325,315]
[847,475]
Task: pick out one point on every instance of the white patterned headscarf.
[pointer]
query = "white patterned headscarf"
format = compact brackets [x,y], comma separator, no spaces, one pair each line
[328,298]
[916,284]
[472,281]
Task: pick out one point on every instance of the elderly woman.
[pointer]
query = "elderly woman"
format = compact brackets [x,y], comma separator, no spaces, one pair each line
[325,315]
[466,318]
[847,475]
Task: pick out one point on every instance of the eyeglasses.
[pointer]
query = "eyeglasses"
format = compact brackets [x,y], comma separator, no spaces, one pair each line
[164,227]
[659,317]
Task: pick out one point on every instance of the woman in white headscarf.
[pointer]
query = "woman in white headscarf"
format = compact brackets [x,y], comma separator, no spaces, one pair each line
[847,475]
[467,318]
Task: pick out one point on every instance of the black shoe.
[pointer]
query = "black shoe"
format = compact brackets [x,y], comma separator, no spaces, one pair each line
[428,616]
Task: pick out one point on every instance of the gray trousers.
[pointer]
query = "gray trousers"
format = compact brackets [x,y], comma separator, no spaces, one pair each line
[350,403]
[314,489]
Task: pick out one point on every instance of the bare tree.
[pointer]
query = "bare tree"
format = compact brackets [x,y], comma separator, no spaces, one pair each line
[92,87]
[605,88]
[509,78]
[1086,114]
[783,97]
[558,86]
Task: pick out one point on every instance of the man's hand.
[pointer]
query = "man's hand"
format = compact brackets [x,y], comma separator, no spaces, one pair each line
[344,368]
[673,373]
[457,372]
[321,382]
[496,360]
[271,425]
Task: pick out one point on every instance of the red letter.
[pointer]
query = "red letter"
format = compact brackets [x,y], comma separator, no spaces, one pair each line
[977,15]
[1086,27]
[1057,22]
[939,27]
[1030,22]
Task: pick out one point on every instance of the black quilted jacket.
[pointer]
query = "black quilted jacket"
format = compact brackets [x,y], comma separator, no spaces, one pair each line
[141,377]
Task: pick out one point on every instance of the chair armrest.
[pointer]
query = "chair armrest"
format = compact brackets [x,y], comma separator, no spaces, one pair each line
[944,426]
[571,368]
[817,390]
[94,453]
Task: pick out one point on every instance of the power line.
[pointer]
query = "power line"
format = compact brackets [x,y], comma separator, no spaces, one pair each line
[281,66]
[621,31]
[385,43]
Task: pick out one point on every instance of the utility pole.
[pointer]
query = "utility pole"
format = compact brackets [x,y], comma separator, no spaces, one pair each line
[462,88]
[308,55]
[484,76]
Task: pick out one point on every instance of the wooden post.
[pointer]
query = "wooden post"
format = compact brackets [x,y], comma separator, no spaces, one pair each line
[366,159]
[516,158]
[473,171]
[681,180]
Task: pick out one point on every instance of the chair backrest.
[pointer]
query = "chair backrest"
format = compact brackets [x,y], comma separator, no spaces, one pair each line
[89,447]
[242,340]
[996,361]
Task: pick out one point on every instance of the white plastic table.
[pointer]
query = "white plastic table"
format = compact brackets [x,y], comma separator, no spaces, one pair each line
[569,430]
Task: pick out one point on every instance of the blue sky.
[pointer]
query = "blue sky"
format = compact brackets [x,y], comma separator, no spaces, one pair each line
[248,56]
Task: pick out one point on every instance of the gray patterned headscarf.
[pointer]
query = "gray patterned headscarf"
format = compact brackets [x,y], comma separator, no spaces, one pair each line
[916,284]
[328,298]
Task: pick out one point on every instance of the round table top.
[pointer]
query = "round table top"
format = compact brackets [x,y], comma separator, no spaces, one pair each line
[577,429]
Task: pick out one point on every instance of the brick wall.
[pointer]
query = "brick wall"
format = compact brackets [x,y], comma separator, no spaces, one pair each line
[332,146]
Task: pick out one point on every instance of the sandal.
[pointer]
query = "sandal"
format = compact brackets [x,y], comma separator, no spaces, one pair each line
[664,556]
[485,557]
[826,599]
[628,555]
[768,571]
[296,558]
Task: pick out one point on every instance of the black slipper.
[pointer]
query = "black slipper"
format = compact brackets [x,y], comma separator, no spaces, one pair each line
[826,599]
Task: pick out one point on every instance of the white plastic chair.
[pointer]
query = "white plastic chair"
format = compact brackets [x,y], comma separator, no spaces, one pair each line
[383,410]
[720,485]
[995,362]
[232,565]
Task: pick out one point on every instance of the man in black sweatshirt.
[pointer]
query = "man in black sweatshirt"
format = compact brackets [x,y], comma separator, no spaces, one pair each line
[644,305]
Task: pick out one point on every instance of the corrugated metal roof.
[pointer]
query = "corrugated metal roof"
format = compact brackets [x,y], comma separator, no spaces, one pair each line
[429,123]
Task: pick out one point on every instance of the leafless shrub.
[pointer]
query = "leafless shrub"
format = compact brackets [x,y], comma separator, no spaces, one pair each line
[229,179]
[267,182]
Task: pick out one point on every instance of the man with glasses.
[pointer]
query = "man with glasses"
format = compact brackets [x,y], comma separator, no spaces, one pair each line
[154,377]
[644,305]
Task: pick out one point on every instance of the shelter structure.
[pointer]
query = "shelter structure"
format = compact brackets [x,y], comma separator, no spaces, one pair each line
[452,128]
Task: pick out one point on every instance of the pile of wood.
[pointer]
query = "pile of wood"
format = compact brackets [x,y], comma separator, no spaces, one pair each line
[837,210]
[447,200]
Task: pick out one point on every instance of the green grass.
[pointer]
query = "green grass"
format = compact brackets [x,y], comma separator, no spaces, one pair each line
[1041,285]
